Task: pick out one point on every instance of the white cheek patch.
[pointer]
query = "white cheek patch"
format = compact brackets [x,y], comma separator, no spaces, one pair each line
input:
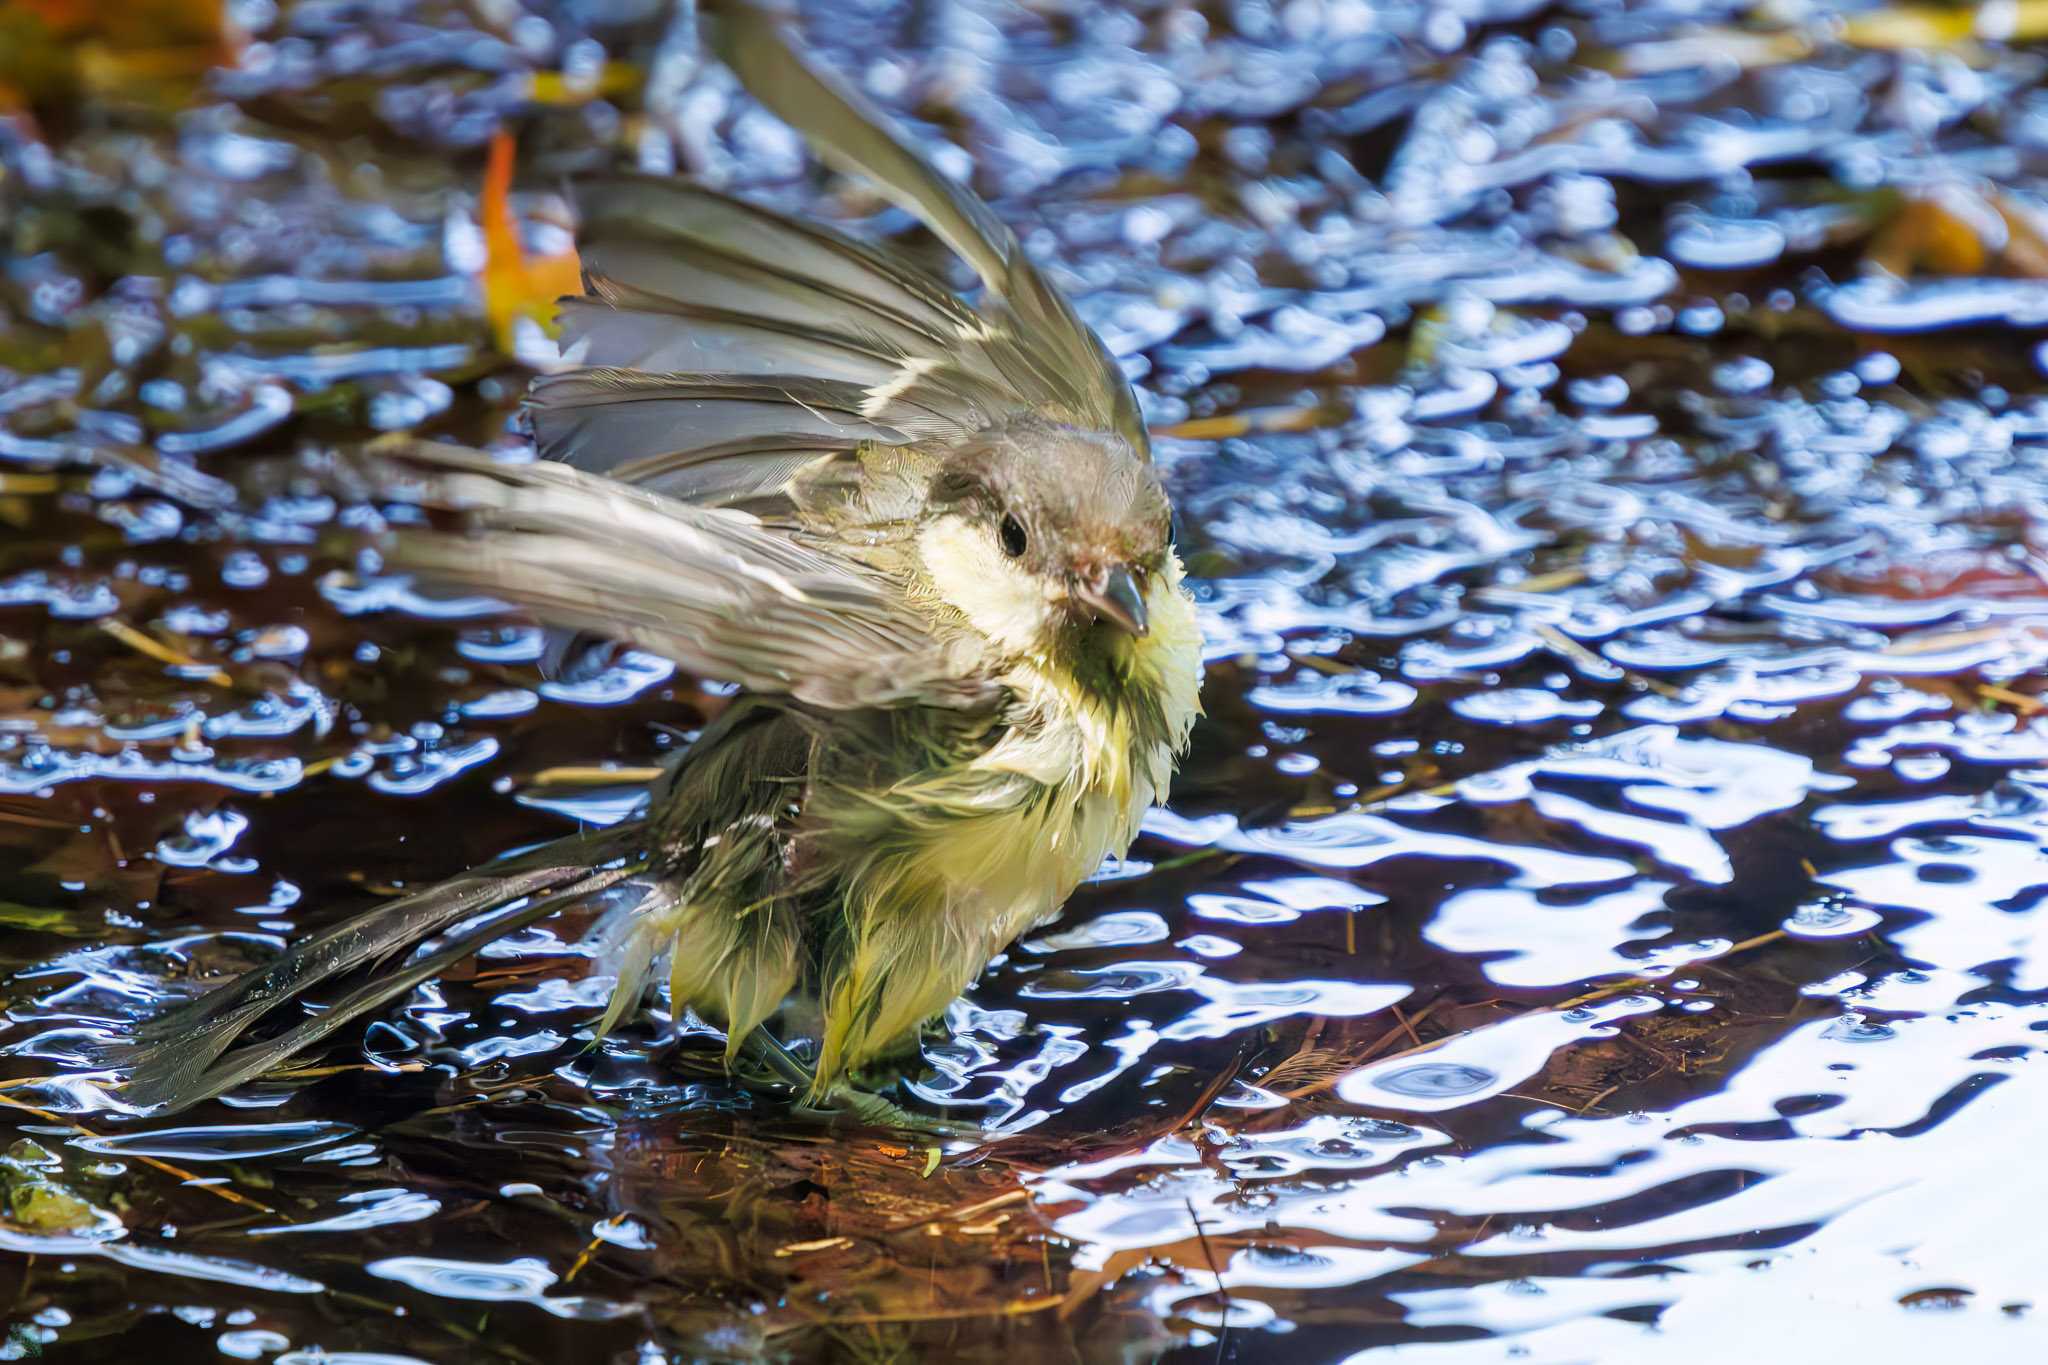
[971,574]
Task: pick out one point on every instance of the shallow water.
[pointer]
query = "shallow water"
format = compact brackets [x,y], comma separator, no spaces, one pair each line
[1601,917]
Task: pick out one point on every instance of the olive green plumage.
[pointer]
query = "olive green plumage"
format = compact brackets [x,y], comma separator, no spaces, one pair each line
[923,536]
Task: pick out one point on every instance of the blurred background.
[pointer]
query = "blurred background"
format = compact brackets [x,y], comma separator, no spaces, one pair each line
[1601,918]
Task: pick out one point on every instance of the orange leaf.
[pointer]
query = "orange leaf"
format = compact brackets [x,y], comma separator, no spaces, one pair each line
[516,285]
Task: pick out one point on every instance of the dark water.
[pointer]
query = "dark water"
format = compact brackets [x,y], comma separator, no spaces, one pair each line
[1599,918]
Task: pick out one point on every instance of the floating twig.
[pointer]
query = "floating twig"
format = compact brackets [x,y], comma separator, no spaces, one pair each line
[590,776]
[156,649]
[176,1172]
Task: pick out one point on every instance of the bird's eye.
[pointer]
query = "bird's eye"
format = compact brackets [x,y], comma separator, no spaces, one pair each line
[1012,532]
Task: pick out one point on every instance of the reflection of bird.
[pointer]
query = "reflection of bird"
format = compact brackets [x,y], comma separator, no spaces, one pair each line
[923,536]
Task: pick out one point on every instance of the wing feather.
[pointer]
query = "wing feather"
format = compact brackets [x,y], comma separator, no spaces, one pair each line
[697,288]
[732,349]
[620,211]
[1042,344]
[722,593]
[599,420]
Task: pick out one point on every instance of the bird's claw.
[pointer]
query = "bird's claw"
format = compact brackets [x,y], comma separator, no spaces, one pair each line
[865,1107]
[843,1103]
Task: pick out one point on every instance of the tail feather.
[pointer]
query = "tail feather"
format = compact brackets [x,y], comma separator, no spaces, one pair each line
[189,1084]
[212,1017]
[736,965]
[184,1056]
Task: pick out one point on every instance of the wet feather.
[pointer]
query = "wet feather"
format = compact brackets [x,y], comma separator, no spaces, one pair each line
[937,739]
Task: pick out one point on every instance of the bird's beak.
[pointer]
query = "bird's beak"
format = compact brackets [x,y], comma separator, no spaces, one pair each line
[1116,598]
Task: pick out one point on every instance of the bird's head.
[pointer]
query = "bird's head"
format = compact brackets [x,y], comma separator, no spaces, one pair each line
[1044,535]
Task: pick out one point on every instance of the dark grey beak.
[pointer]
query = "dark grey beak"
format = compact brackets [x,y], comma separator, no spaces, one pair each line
[1115,597]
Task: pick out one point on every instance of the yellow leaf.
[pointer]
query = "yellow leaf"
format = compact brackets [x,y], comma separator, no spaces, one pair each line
[2026,22]
[50,49]
[1908,29]
[554,87]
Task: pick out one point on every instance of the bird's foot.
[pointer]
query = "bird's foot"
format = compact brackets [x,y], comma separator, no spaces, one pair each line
[866,1107]
[763,1058]
[841,1102]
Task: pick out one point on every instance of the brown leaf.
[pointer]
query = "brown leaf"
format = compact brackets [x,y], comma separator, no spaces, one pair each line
[1942,233]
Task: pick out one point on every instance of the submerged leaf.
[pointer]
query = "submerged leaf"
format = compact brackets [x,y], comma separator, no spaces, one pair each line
[50,920]
[47,1208]
[1943,234]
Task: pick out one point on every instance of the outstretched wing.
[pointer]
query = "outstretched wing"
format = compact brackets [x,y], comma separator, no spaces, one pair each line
[731,345]
[1053,359]
[720,592]
[728,343]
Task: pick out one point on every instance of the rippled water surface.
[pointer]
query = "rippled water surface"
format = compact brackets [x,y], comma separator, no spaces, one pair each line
[1604,916]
